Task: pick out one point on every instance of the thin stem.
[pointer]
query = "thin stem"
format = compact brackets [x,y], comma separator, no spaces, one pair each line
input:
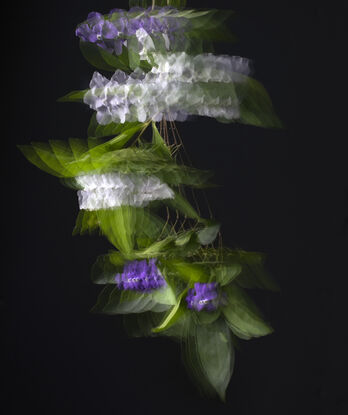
[153,4]
[142,132]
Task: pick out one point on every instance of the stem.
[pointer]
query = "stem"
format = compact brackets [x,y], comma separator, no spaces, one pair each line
[141,132]
[153,4]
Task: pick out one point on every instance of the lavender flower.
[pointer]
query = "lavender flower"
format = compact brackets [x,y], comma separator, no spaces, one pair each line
[203,297]
[140,276]
[114,30]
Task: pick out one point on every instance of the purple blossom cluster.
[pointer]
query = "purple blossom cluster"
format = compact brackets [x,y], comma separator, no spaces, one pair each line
[203,297]
[110,32]
[143,276]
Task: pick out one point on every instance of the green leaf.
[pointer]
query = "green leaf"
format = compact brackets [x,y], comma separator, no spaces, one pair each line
[104,270]
[207,317]
[242,315]
[128,302]
[124,302]
[103,298]
[164,295]
[216,355]
[86,221]
[187,271]
[156,249]
[30,154]
[74,96]
[111,129]
[255,104]
[161,147]
[184,238]
[208,354]
[133,52]
[208,235]
[173,315]
[118,226]
[101,59]
[224,274]
[183,206]
[254,274]
[117,142]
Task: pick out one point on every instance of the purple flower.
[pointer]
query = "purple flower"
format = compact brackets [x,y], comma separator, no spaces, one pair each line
[140,276]
[97,30]
[203,297]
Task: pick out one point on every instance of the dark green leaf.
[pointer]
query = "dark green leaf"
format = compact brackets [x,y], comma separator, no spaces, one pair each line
[242,315]
[209,356]
[101,59]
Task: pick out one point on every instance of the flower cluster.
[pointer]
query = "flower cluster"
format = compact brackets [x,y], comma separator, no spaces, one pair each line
[203,297]
[182,86]
[140,276]
[111,32]
[111,190]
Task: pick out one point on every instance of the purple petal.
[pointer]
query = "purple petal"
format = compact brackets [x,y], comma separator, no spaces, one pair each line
[109,30]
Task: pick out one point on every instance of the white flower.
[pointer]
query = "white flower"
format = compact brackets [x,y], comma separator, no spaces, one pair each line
[178,85]
[111,190]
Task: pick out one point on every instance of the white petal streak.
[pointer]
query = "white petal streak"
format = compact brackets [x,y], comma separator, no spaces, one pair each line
[179,85]
[111,190]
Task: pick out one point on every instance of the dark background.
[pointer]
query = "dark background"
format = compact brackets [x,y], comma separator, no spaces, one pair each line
[284,193]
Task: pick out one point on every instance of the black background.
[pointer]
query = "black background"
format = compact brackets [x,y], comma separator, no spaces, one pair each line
[283,193]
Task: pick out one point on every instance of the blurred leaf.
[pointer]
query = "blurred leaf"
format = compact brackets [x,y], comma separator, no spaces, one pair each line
[254,274]
[74,96]
[182,205]
[101,59]
[30,154]
[187,271]
[207,317]
[104,270]
[118,226]
[157,248]
[158,142]
[215,354]
[224,274]
[117,142]
[133,52]
[242,315]
[172,316]
[164,295]
[103,298]
[97,130]
[124,302]
[86,221]
[255,104]
[208,234]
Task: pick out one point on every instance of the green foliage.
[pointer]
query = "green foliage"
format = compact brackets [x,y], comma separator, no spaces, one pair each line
[224,274]
[104,60]
[74,96]
[111,129]
[106,267]
[208,353]
[187,271]
[113,301]
[208,234]
[86,222]
[117,225]
[173,315]
[256,106]
[159,145]
[243,316]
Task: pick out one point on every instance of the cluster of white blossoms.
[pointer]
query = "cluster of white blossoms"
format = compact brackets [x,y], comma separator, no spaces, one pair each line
[178,85]
[112,190]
